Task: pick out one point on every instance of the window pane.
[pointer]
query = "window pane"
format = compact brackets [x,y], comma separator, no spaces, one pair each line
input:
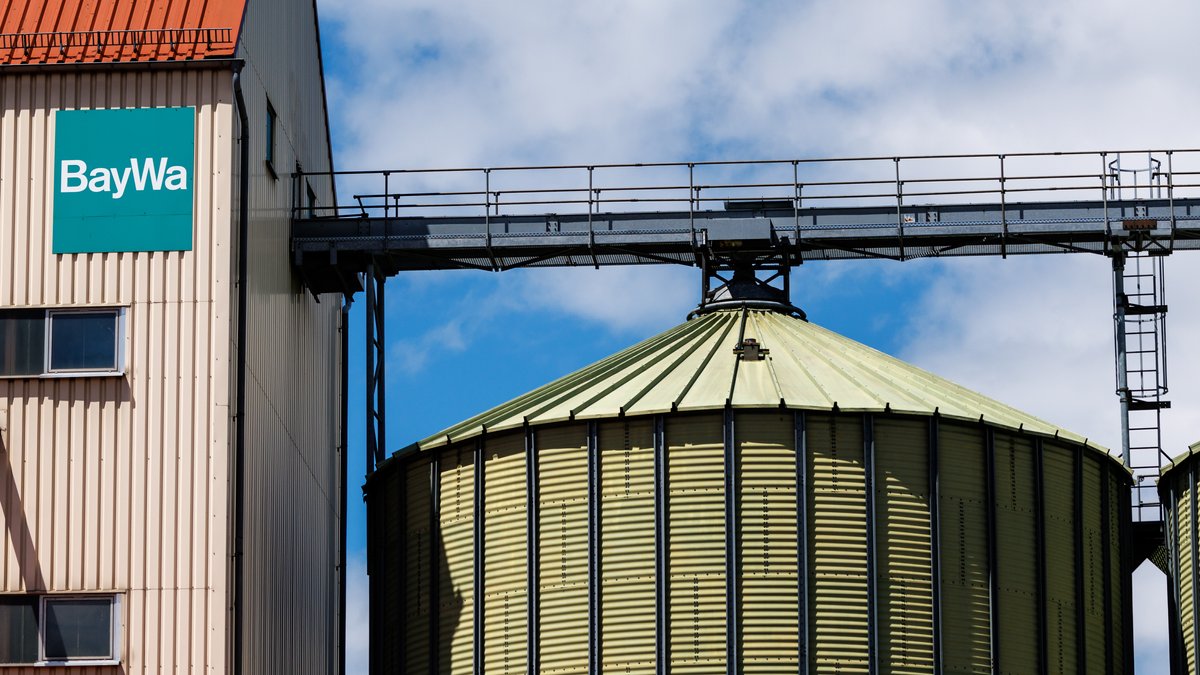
[83,341]
[79,628]
[18,629]
[22,341]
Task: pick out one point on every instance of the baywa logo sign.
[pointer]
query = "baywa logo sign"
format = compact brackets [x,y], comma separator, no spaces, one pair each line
[123,180]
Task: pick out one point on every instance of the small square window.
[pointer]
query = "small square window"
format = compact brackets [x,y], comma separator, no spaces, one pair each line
[83,341]
[77,629]
[22,342]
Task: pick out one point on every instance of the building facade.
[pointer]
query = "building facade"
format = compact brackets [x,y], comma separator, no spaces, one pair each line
[171,417]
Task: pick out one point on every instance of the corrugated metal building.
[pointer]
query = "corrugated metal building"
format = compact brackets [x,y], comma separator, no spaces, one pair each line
[1177,486]
[748,492]
[169,503]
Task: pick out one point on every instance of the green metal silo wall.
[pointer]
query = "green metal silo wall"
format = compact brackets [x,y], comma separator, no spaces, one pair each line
[681,543]
[1177,487]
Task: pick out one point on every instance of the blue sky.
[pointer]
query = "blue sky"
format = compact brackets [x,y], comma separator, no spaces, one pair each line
[417,83]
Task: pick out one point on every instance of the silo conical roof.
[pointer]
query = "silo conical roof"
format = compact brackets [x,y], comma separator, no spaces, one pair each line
[695,366]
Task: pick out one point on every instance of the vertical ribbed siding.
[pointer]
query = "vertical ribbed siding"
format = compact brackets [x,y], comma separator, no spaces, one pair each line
[1095,621]
[905,584]
[965,607]
[1016,558]
[456,586]
[696,525]
[504,556]
[292,351]
[562,551]
[1060,559]
[837,545]
[121,483]
[1183,535]
[770,620]
[1114,518]
[627,520]
[417,545]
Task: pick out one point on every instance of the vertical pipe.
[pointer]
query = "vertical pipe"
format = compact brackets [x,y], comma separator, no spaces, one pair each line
[532,499]
[662,565]
[1080,613]
[595,579]
[992,553]
[380,367]
[801,430]
[732,567]
[477,561]
[1195,571]
[343,484]
[243,319]
[435,510]
[369,380]
[1121,354]
[1106,561]
[1039,486]
[935,539]
[872,562]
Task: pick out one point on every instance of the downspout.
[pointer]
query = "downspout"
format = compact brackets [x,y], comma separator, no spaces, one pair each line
[341,620]
[239,442]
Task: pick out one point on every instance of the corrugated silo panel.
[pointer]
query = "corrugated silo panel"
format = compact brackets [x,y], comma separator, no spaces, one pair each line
[417,541]
[962,472]
[838,576]
[1095,621]
[905,571]
[1016,558]
[505,573]
[696,522]
[1183,534]
[456,583]
[563,549]
[1058,465]
[627,547]
[1116,622]
[770,614]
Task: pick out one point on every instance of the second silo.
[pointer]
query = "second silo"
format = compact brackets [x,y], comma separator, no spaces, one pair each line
[1177,488]
[748,492]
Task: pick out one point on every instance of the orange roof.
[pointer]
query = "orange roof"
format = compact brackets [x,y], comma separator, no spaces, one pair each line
[93,31]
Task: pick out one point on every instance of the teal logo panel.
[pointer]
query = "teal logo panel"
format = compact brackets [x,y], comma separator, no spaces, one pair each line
[123,180]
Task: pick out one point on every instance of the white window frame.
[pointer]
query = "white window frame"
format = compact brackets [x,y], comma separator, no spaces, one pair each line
[48,336]
[114,646]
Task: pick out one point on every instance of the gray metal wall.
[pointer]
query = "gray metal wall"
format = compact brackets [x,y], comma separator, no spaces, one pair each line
[293,402]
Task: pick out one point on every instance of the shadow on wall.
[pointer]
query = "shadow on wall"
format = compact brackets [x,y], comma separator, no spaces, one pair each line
[17,526]
[417,599]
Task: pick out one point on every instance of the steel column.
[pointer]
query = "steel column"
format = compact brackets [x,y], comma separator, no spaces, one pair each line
[935,539]
[477,561]
[435,510]
[376,352]
[662,554]
[1039,486]
[872,562]
[594,490]
[992,553]
[804,630]
[732,550]
[1118,261]
[1080,613]
[533,522]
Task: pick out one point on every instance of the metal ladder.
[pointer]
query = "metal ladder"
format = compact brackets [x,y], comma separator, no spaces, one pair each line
[1140,323]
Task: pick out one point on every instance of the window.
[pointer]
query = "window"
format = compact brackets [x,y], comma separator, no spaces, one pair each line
[61,342]
[60,629]
[269,138]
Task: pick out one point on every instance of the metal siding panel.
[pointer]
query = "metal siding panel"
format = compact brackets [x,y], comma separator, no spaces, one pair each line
[1183,537]
[456,595]
[906,583]
[770,616]
[563,549]
[120,483]
[1114,518]
[965,608]
[838,577]
[696,525]
[504,555]
[1016,525]
[1095,622]
[417,543]
[1060,558]
[627,569]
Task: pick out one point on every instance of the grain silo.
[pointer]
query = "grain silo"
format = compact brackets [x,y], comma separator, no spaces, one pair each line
[748,492]
[1177,489]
